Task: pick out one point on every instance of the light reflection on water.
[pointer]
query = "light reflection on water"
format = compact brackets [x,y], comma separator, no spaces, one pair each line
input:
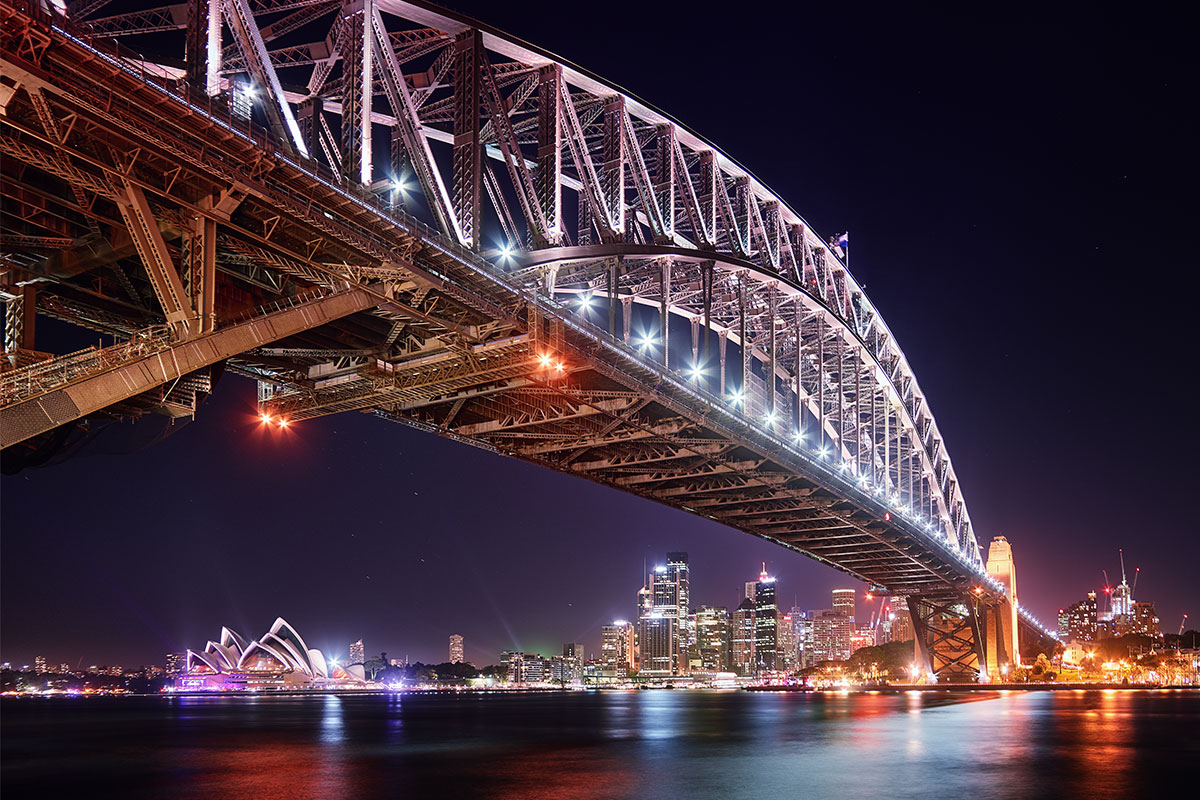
[610,745]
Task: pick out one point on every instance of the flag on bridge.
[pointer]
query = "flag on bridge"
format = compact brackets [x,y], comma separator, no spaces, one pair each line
[843,241]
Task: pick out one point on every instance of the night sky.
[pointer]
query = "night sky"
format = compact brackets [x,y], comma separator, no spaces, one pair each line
[1019,188]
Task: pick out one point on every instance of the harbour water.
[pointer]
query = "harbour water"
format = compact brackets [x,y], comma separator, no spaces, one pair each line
[648,744]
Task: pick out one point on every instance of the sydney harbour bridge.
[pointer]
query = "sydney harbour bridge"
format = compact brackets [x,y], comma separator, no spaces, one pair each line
[384,207]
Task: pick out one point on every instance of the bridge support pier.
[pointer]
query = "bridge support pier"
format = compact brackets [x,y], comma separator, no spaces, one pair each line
[999,625]
[950,646]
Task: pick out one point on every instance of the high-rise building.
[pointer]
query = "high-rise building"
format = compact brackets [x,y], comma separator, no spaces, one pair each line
[750,587]
[802,621]
[787,643]
[574,659]
[175,663]
[456,649]
[666,596]
[831,636]
[39,664]
[1144,620]
[901,619]
[685,635]
[843,602]
[526,667]
[766,624]
[712,638]
[358,654]
[65,669]
[1079,621]
[657,636]
[1000,567]
[742,638]
[617,649]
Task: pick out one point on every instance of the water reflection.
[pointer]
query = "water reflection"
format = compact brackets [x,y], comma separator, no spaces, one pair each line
[601,745]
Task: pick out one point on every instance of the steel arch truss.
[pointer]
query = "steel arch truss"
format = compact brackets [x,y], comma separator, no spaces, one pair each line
[150,194]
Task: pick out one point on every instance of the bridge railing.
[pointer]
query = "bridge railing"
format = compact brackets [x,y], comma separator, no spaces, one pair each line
[45,376]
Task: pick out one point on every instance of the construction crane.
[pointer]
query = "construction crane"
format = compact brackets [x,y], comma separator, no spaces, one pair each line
[1136,572]
[1182,622]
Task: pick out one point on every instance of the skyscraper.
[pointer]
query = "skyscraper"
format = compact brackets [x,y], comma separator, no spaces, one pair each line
[1079,620]
[843,602]
[712,638]
[666,597]
[831,636]
[358,654]
[766,624]
[742,635]
[657,635]
[39,664]
[175,663]
[617,649]
[802,621]
[901,619]
[573,656]
[456,649]
[679,571]
[787,658]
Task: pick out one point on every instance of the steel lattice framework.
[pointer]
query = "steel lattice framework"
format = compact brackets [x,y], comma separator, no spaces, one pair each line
[598,289]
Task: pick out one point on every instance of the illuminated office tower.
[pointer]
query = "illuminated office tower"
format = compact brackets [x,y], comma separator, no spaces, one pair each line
[574,658]
[1144,620]
[456,649]
[1079,621]
[669,590]
[786,633]
[843,602]
[656,638]
[175,663]
[742,636]
[617,649]
[901,619]
[712,638]
[358,653]
[802,622]
[831,636]
[39,664]
[766,624]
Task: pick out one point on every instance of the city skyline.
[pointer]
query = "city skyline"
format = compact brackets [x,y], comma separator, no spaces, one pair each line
[913,233]
[854,603]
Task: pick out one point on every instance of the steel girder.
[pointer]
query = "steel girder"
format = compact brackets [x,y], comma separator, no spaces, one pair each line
[668,223]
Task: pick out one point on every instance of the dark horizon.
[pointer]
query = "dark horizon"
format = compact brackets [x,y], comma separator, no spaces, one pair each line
[1017,196]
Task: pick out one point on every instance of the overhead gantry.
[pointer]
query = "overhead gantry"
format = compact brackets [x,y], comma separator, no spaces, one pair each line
[380,206]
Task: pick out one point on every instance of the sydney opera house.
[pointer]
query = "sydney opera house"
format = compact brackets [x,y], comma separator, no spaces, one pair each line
[277,660]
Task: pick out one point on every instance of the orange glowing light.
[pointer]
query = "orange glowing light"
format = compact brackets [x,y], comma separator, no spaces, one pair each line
[265,418]
[283,423]
[544,359]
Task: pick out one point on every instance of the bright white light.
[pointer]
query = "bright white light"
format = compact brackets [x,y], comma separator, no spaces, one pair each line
[738,398]
[770,418]
[400,185]
[585,302]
